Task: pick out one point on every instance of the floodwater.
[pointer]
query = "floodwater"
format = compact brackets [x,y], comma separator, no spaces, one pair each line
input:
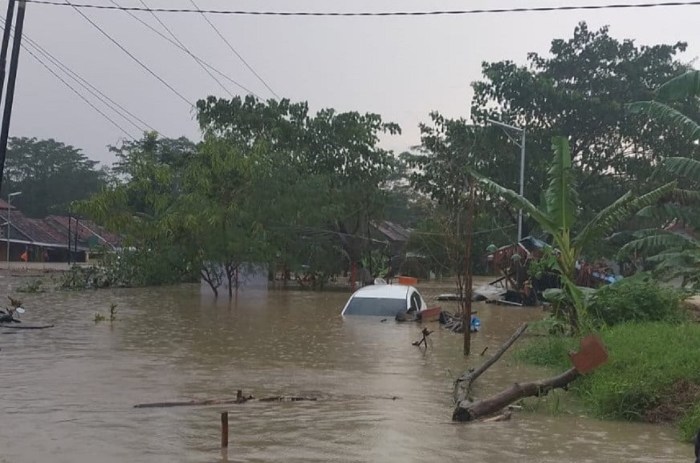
[68,392]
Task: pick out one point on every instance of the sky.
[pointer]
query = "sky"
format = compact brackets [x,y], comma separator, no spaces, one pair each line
[399,67]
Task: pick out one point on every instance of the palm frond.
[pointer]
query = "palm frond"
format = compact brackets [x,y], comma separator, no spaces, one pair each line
[686,167]
[652,241]
[619,211]
[604,220]
[680,87]
[667,115]
[517,201]
[560,195]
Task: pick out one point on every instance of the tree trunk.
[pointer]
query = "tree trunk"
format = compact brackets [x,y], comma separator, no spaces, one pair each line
[469,411]
[464,382]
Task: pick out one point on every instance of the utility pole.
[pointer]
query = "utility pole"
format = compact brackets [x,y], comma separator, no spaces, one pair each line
[467,311]
[11,78]
[6,42]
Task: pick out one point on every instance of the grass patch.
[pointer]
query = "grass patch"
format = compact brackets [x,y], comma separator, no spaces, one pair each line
[653,373]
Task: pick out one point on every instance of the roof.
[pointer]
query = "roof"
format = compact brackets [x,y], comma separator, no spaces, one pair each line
[4,205]
[383,291]
[87,231]
[393,231]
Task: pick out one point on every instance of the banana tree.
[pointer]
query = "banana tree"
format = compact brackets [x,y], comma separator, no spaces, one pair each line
[675,253]
[679,88]
[558,216]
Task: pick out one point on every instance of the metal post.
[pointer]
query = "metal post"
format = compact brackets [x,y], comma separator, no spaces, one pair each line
[522,183]
[6,42]
[69,236]
[467,291]
[9,207]
[10,94]
[522,132]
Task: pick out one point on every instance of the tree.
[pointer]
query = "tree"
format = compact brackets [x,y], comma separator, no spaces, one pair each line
[582,87]
[139,203]
[50,175]
[558,216]
[339,150]
[674,249]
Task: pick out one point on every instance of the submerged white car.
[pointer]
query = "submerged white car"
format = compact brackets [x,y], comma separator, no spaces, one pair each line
[385,300]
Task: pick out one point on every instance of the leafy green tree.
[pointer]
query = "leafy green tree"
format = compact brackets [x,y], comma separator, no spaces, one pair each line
[558,216]
[50,175]
[340,149]
[582,87]
[139,203]
[674,250]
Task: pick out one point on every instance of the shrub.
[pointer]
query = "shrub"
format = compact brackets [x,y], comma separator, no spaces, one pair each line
[653,372]
[636,299]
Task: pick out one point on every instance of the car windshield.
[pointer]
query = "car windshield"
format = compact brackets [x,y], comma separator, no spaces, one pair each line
[378,306]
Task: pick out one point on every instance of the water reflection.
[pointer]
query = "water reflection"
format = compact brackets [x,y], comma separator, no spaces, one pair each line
[69,391]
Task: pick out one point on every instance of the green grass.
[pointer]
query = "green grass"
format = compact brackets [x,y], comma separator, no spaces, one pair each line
[653,372]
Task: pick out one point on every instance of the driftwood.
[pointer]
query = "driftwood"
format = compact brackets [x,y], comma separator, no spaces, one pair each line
[240,399]
[424,340]
[463,383]
[469,411]
[25,327]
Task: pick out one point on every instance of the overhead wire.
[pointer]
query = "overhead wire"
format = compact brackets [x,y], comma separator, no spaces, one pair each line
[80,95]
[233,49]
[94,91]
[536,9]
[128,53]
[182,45]
[198,59]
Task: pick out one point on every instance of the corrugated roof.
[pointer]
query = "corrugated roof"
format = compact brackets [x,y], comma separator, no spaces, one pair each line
[393,231]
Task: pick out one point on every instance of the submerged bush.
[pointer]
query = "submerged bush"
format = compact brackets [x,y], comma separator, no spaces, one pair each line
[635,299]
[130,269]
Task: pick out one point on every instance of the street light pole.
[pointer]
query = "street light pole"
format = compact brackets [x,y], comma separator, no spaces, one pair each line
[522,132]
[9,211]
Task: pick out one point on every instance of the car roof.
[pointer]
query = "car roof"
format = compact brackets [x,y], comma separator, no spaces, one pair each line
[386,291]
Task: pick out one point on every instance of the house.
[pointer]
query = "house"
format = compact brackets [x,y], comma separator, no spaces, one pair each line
[52,239]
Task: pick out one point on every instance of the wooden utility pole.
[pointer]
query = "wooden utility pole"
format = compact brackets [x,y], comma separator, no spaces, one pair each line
[11,77]
[467,310]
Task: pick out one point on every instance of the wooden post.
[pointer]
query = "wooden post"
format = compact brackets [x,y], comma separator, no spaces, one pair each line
[224,429]
[467,309]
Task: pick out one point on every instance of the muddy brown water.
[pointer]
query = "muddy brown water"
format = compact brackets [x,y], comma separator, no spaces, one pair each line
[68,392]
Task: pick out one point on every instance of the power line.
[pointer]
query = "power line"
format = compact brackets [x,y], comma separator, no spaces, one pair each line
[82,97]
[96,92]
[614,6]
[218,32]
[121,47]
[182,45]
[172,42]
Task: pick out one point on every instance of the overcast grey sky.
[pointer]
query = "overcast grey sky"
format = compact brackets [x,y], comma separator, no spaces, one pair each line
[399,67]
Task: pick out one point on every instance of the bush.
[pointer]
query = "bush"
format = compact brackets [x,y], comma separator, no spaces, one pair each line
[131,269]
[653,373]
[635,299]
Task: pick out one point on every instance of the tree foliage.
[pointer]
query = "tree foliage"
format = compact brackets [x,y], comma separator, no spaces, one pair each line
[270,183]
[558,217]
[50,175]
[582,88]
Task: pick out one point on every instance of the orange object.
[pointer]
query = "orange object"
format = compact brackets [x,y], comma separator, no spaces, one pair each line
[591,355]
[24,256]
[410,281]
[431,314]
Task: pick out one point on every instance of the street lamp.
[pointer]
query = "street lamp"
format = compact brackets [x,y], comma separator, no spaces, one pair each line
[9,207]
[521,131]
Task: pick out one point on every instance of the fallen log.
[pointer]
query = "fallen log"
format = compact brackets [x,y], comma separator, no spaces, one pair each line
[591,355]
[240,399]
[463,384]
[470,411]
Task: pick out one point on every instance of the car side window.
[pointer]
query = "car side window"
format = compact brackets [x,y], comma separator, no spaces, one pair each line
[415,302]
